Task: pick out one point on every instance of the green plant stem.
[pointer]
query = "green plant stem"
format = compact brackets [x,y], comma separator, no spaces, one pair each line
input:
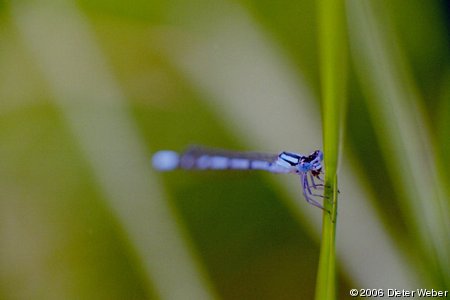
[333,51]
[326,277]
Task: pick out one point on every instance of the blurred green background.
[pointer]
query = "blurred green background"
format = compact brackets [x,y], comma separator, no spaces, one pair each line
[90,89]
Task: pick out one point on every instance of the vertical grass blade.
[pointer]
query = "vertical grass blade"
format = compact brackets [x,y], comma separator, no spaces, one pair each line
[333,68]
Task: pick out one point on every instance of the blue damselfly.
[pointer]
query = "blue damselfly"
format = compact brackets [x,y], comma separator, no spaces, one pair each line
[308,167]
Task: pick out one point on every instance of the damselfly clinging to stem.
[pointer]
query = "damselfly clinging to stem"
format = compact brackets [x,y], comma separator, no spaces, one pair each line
[308,167]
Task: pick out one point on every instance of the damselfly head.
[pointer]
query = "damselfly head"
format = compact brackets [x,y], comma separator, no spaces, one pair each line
[312,162]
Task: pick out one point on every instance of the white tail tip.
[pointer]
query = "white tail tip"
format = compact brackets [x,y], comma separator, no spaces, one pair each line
[165,160]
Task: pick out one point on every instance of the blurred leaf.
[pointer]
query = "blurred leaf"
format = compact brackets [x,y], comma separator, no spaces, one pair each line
[403,135]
